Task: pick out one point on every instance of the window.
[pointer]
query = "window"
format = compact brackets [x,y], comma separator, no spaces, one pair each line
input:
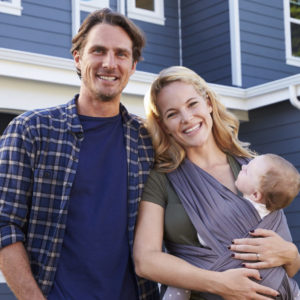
[292,31]
[11,7]
[91,5]
[146,10]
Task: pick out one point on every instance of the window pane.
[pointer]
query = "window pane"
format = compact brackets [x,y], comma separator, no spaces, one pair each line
[146,4]
[295,30]
[295,9]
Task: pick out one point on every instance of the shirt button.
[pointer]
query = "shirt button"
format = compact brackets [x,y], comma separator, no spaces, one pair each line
[47,174]
[79,135]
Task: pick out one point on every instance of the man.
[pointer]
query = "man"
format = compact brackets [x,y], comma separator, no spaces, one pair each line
[71,178]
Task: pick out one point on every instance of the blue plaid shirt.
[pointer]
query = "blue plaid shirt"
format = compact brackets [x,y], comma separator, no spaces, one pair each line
[39,154]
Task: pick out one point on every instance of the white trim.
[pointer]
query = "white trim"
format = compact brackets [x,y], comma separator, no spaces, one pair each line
[121,6]
[258,96]
[51,69]
[180,33]
[290,59]
[156,16]
[14,7]
[92,5]
[235,43]
[2,279]
[75,16]
[61,71]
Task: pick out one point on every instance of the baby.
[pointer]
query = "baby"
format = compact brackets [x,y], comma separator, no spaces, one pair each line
[270,183]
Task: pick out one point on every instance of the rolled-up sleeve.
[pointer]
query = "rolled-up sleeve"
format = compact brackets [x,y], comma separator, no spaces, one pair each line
[15,181]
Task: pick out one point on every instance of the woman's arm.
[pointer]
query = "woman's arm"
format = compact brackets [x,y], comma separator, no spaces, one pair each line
[272,250]
[153,264]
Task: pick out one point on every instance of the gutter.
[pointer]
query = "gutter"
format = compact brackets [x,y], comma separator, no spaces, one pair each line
[293,96]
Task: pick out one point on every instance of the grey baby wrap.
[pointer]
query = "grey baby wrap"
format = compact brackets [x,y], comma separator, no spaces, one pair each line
[220,216]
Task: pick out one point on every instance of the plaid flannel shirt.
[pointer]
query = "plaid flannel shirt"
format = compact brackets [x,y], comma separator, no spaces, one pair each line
[39,154]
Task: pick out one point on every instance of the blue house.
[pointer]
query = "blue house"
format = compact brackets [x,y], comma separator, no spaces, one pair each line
[248,51]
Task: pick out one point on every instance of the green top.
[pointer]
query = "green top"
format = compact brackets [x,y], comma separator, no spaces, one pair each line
[178,228]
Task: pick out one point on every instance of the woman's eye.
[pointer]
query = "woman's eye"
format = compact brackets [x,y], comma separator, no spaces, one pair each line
[193,103]
[171,115]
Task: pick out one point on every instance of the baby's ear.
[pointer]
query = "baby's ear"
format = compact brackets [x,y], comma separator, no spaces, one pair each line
[257,197]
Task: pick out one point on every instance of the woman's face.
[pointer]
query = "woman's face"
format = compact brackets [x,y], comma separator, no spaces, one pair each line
[186,115]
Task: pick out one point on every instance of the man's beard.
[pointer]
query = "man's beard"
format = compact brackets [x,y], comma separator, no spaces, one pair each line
[106,97]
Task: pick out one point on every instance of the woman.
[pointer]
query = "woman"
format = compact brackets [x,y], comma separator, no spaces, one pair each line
[196,138]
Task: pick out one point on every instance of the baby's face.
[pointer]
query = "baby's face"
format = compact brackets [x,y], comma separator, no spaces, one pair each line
[248,179]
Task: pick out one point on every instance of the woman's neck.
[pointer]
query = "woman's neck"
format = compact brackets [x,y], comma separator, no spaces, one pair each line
[208,156]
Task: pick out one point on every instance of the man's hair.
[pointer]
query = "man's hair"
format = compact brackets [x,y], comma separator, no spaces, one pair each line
[281,184]
[107,16]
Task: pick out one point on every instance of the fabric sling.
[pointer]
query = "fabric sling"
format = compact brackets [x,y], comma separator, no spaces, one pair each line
[219,216]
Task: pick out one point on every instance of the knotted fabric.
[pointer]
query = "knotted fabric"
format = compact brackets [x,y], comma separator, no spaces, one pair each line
[219,216]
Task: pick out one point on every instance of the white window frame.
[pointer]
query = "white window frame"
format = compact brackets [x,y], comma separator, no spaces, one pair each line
[290,59]
[13,7]
[156,16]
[92,5]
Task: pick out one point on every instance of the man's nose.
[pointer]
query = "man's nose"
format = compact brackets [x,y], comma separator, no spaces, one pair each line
[109,61]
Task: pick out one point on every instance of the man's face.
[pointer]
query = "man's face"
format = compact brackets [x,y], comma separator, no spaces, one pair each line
[106,62]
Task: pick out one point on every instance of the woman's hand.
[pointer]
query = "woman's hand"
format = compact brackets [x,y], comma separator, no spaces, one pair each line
[267,250]
[237,285]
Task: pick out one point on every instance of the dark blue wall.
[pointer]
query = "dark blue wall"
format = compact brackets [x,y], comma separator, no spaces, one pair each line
[5,293]
[276,129]
[44,27]
[162,48]
[263,42]
[206,39]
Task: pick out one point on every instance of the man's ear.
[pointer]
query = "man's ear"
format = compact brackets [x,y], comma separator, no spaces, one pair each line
[133,68]
[76,56]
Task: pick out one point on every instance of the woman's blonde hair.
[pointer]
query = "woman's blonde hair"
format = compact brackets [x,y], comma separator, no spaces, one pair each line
[168,153]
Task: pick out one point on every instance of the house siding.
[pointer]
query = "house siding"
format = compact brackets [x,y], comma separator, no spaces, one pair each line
[206,39]
[44,27]
[263,42]
[275,129]
[162,45]
[5,293]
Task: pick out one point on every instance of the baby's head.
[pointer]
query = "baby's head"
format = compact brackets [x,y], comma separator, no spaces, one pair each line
[269,179]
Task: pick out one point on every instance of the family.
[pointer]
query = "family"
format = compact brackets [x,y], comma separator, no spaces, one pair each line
[96,203]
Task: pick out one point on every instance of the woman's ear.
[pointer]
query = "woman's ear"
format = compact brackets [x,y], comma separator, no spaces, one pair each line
[209,104]
[163,126]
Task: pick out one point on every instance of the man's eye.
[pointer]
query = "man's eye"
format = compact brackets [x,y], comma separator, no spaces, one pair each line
[99,51]
[122,54]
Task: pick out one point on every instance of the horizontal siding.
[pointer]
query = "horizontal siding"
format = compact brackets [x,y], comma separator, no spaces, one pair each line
[162,46]
[44,27]
[5,293]
[263,42]
[275,129]
[205,39]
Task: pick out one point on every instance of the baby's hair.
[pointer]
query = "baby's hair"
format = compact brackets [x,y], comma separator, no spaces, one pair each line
[281,184]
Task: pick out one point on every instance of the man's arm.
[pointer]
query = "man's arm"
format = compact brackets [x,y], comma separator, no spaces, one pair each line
[14,264]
